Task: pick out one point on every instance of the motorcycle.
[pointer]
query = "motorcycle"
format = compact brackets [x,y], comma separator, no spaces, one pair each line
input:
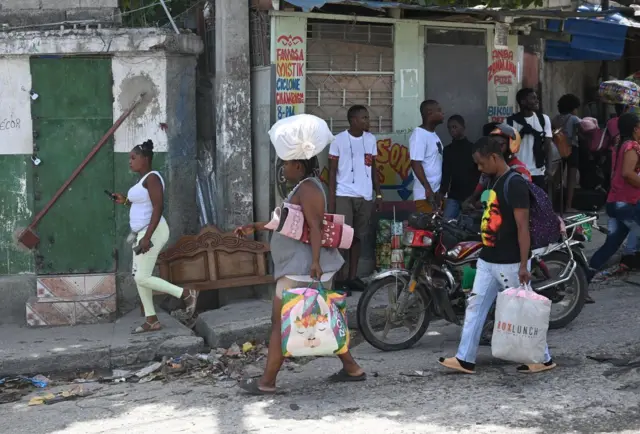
[443,255]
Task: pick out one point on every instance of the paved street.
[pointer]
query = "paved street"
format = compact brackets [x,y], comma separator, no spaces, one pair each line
[582,395]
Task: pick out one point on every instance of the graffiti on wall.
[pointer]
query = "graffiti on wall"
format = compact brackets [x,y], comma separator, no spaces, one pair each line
[394,169]
[16,129]
[502,76]
[290,75]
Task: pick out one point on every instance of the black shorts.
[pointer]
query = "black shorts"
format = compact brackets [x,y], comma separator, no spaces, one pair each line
[573,160]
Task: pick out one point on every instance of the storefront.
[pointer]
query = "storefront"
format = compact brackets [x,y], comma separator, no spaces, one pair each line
[326,63]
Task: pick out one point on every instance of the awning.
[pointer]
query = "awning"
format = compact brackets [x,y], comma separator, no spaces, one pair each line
[591,39]
[498,13]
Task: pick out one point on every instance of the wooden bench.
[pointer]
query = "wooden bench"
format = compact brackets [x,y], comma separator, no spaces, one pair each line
[214,260]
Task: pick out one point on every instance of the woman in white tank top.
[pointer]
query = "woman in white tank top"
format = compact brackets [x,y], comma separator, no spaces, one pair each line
[150,231]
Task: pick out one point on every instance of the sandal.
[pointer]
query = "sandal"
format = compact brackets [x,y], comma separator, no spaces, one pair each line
[343,376]
[153,327]
[589,300]
[251,386]
[454,363]
[535,368]
[191,300]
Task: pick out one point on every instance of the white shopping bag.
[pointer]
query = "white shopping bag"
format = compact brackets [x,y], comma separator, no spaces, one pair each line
[521,325]
[300,137]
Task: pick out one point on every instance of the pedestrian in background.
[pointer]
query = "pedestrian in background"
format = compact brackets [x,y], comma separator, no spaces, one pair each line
[352,180]
[624,195]
[425,150]
[535,133]
[569,122]
[459,171]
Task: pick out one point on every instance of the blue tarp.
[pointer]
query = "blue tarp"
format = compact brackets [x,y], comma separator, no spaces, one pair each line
[592,39]
[308,5]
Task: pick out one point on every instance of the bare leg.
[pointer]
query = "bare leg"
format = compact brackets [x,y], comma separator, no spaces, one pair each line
[274,356]
[349,364]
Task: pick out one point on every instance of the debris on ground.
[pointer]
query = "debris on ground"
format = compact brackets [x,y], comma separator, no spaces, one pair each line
[15,388]
[415,374]
[77,391]
[39,381]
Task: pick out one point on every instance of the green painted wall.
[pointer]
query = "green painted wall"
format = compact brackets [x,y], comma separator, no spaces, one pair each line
[72,113]
[16,207]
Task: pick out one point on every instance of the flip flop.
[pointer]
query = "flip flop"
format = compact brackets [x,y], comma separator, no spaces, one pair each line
[454,363]
[251,386]
[535,368]
[589,300]
[153,327]
[343,376]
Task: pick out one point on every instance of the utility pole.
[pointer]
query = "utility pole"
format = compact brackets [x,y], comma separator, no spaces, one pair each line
[604,5]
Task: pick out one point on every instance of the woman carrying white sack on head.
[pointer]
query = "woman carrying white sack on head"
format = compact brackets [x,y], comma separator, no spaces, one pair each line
[297,141]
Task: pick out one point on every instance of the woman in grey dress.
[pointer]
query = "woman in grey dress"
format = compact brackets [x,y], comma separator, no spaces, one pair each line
[296,265]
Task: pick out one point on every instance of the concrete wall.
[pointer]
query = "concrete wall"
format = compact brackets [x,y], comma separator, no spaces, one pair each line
[167,78]
[169,86]
[578,78]
[17,278]
[18,13]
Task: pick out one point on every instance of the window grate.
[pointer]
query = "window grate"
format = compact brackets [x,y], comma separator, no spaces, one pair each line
[349,64]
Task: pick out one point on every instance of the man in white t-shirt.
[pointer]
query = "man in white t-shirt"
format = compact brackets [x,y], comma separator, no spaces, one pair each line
[425,150]
[535,132]
[352,180]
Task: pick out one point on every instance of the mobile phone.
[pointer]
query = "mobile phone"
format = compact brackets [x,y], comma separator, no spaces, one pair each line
[137,248]
[111,195]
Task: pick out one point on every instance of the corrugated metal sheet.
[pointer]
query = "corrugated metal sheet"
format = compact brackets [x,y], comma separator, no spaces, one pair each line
[592,39]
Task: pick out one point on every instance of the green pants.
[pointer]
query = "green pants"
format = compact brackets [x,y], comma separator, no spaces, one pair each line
[143,266]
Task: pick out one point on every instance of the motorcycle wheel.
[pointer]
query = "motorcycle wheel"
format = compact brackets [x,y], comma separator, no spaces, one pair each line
[366,306]
[578,284]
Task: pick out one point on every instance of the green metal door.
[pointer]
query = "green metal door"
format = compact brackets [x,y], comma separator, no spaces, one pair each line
[72,112]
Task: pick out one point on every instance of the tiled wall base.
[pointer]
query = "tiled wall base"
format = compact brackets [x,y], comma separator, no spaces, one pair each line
[73,299]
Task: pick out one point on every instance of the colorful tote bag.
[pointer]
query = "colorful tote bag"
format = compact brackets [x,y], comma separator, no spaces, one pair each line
[313,323]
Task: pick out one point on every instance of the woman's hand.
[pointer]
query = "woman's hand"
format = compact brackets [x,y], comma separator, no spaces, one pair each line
[119,198]
[145,245]
[245,230]
[316,271]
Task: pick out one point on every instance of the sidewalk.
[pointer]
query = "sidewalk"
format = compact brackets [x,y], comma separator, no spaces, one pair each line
[66,349]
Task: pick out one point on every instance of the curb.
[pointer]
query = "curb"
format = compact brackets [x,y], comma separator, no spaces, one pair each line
[84,348]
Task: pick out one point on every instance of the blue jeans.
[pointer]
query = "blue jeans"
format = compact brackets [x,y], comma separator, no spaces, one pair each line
[631,247]
[623,219]
[490,279]
[452,209]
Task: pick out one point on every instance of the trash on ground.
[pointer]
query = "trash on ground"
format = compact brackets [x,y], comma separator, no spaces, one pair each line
[77,391]
[20,381]
[148,370]
[415,374]
[246,347]
[8,396]
[233,351]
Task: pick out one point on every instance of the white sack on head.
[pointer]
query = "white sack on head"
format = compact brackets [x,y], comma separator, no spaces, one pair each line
[300,137]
